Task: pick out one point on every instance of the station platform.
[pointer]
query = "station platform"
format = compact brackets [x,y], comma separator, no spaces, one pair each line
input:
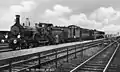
[18,53]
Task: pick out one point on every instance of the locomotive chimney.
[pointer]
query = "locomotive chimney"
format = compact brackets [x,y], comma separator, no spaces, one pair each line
[17,19]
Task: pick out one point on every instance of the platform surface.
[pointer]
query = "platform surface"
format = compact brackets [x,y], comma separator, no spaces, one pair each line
[12,54]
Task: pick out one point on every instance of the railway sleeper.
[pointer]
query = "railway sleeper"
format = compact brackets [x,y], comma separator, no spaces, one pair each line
[91,69]
[113,68]
[98,61]
[94,64]
[98,68]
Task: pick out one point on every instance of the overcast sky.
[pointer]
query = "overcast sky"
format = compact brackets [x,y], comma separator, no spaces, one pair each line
[94,14]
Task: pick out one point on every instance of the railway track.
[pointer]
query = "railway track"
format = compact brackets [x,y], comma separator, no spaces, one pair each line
[4,47]
[98,62]
[23,65]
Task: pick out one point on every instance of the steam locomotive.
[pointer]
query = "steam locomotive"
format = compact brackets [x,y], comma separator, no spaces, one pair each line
[25,36]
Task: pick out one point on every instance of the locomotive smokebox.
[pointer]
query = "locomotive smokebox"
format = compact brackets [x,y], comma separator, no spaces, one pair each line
[17,16]
[17,19]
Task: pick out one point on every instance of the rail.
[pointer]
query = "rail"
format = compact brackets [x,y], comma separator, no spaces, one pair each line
[9,59]
[104,70]
[111,59]
[109,62]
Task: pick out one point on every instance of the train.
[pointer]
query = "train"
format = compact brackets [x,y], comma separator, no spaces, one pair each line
[26,36]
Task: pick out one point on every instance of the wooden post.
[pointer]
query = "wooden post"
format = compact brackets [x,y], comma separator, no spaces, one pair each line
[10,66]
[75,52]
[82,53]
[39,55]
[56,58]
[67,54]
